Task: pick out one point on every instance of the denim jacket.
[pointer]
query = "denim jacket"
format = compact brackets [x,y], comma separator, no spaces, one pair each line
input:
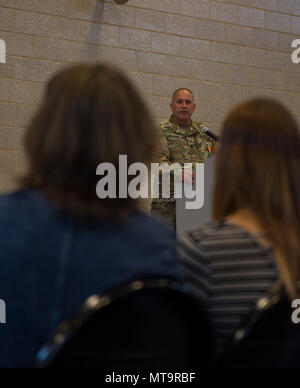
[49,266]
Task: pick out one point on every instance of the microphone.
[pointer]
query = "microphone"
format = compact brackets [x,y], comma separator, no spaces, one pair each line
[210,134]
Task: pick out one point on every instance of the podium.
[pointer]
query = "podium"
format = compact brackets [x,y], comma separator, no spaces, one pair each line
[193,219]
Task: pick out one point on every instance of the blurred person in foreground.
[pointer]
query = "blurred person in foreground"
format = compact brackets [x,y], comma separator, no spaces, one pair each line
[59,242]
[255,239]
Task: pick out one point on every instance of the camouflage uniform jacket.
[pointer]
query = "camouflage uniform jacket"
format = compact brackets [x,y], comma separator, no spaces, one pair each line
[182,145]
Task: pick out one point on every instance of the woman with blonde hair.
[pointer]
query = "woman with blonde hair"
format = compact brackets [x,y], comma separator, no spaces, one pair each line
[255,239]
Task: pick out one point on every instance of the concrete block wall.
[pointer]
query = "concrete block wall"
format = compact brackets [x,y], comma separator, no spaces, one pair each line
[225,51]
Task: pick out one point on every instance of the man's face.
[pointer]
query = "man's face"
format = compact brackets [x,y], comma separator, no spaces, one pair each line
[183,107]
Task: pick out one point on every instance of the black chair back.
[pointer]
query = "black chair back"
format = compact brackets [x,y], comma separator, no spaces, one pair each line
[266,339]
[146,324]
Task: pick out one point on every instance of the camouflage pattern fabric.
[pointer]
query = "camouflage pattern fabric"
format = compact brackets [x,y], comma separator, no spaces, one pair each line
[180,144]
[165,211]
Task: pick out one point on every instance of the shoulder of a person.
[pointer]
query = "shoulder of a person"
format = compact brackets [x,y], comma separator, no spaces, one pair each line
[166,126]
[13,197]
[152,225]
[210,230]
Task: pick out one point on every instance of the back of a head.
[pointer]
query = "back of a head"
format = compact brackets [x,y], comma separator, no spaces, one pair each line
[258,167]
[91,114]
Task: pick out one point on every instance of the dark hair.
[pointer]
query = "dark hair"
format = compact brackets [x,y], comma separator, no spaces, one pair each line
[178,90]
[258,168]
[91,114]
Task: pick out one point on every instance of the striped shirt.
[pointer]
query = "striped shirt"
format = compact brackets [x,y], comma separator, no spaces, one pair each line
[229,270]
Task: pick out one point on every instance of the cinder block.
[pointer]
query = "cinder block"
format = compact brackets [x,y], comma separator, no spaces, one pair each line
[160,106]
[33,23]
[32,70]
[135,39]
[265,39]
[267,79]
[7,162]
[18,44]
[151,20]
[285,42]
[212,113]
[172,6]
[251,17]
[26,92]
[238,35]
[7,19]
[115,14]
[11,138]
[104,34]
[182,67]
[195,48]
[291,82]
[7,183]
[24,115]
[19,4]
[165,86]
[225,53]
[88,10]
[151,63]
[271,5]
[6,86]
[289,99]
[296,25]
[226,94]
[253,57]
[55,49]
[210,71]
[143,82]
[125,59]
[240,75]
[7,114]
[279,22]
[181,25]
[85,31]
[278,61]
[224,12]
[195,8]
[166,44]
[54,7]
[8,69]
[289,6]
[140,3]
[21,163]
[210,30]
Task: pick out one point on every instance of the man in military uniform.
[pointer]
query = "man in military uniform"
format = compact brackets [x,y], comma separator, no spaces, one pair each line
[181,141]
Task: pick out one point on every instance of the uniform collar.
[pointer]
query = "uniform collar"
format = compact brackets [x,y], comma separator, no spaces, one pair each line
[188,131]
